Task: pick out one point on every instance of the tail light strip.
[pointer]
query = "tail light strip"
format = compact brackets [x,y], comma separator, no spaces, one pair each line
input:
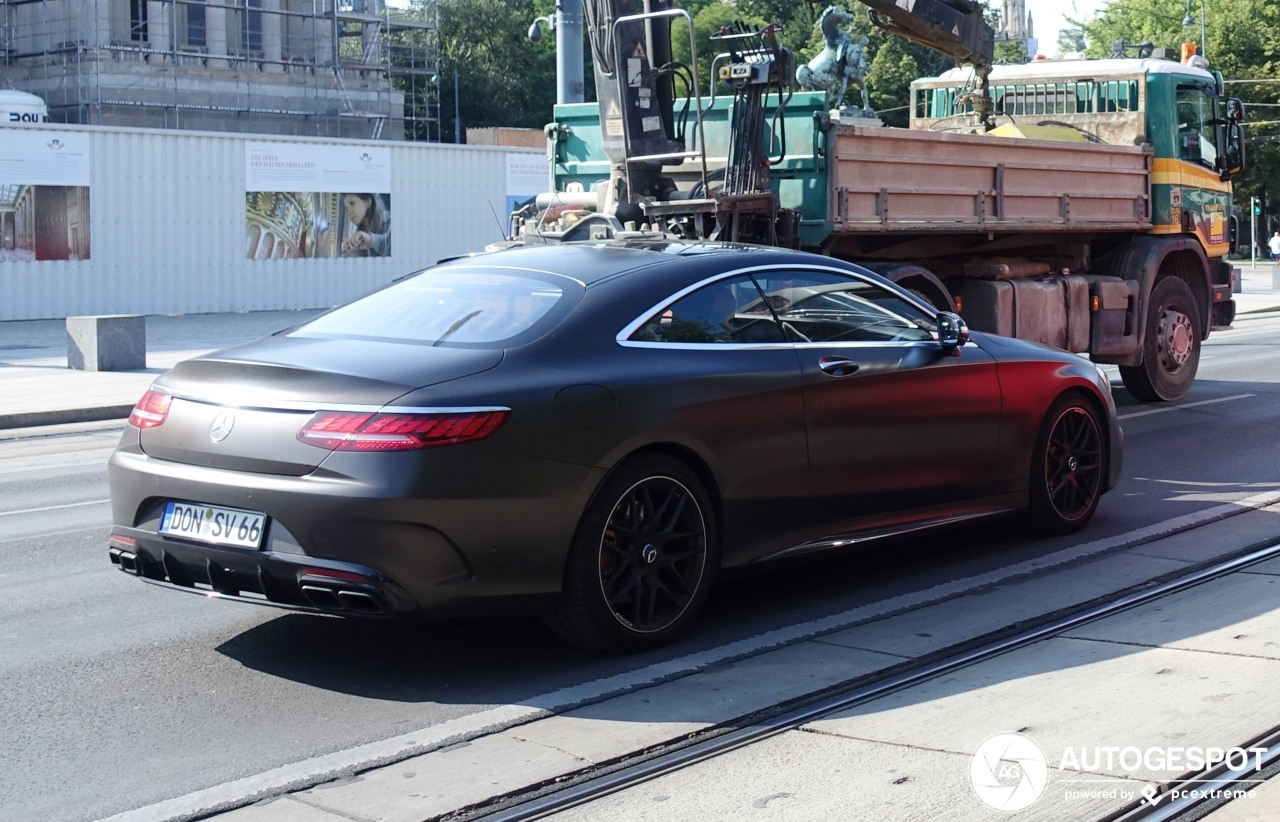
[399,431]
[364,430]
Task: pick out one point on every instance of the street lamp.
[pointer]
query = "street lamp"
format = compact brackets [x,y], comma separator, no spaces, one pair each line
[457,111]
[567,24]
[1188,22]
[535,30]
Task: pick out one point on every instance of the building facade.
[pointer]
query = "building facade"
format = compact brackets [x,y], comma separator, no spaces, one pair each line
[320,68]
[1014,20]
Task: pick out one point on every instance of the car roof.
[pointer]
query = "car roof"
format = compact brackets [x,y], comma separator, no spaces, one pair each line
[594,261]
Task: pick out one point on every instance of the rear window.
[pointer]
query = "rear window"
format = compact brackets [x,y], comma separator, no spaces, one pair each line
[475,306]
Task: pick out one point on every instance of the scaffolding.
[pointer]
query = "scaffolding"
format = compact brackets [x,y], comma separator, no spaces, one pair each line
[327,68]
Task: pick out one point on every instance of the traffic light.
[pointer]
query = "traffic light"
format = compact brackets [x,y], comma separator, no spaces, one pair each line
[1257,207]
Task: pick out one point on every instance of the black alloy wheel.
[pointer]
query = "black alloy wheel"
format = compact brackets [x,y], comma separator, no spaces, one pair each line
[641,561]
[1067,468]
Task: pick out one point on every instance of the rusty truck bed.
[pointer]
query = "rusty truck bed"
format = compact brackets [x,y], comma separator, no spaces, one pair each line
[894,180]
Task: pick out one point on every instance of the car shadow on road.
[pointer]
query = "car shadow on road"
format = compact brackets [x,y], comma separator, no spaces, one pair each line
[515,660]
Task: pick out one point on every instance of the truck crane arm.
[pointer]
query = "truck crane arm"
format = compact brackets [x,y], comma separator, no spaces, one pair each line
[955,28]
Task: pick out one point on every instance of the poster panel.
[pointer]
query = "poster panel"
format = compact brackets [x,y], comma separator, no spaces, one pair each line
[44,195]
[306,201]
[527,176]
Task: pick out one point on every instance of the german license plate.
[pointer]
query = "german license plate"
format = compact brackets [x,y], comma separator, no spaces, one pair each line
[214,524]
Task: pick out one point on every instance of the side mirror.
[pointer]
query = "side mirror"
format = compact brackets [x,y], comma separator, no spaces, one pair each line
[1231,161]
[1235,110]
[952,331]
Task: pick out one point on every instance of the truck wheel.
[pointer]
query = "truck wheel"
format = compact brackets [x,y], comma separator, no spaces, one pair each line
[641,561]
[919,281]
[1171,345]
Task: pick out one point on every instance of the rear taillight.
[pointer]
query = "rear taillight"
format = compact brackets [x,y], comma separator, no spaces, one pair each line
[362,431]
[151,410]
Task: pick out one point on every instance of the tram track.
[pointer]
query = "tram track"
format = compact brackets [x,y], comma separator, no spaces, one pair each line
[575,790]
[1195,796]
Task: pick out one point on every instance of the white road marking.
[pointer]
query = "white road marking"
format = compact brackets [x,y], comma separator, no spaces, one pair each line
[54,507]
[1167,408]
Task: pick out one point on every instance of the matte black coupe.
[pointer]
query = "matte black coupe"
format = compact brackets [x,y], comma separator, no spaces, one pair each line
[594,432]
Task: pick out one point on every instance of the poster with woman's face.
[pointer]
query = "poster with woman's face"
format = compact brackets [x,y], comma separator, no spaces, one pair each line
[366,225]
[317,201]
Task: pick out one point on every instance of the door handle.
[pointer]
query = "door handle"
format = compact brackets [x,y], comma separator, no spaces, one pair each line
[838,366]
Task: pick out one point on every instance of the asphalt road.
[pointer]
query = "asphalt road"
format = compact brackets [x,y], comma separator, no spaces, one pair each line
[118,694]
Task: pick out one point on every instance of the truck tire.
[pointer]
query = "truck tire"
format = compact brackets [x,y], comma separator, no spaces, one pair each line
[918,280]
[1170,346]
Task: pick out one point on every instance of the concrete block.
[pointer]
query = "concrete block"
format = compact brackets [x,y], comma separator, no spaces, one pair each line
[116,342]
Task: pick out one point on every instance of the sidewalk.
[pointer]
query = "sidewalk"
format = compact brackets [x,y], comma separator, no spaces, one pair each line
[1187,672]
[38,389]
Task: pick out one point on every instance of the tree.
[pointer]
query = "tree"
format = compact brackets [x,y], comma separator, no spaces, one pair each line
[796,17]
[1011,51]
[708,21]
[889,81]
[503,78]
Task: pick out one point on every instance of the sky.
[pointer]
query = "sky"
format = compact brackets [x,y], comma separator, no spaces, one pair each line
[1048,16]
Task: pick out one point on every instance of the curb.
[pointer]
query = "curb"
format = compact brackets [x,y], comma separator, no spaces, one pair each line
[38,419]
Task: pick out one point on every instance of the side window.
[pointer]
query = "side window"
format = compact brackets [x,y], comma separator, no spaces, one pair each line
[1197,136]
[714,314]
[828,307]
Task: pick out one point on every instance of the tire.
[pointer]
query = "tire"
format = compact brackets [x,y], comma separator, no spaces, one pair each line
[641,561]
[1068,468]
[1170,347]
[919,280]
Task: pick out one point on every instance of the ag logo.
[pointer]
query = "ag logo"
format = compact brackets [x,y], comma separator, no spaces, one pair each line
[1009,772]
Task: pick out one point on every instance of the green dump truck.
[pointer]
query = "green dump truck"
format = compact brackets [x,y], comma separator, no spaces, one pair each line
[1082,203]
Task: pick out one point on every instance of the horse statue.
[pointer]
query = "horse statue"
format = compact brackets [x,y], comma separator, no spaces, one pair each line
[843,60]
